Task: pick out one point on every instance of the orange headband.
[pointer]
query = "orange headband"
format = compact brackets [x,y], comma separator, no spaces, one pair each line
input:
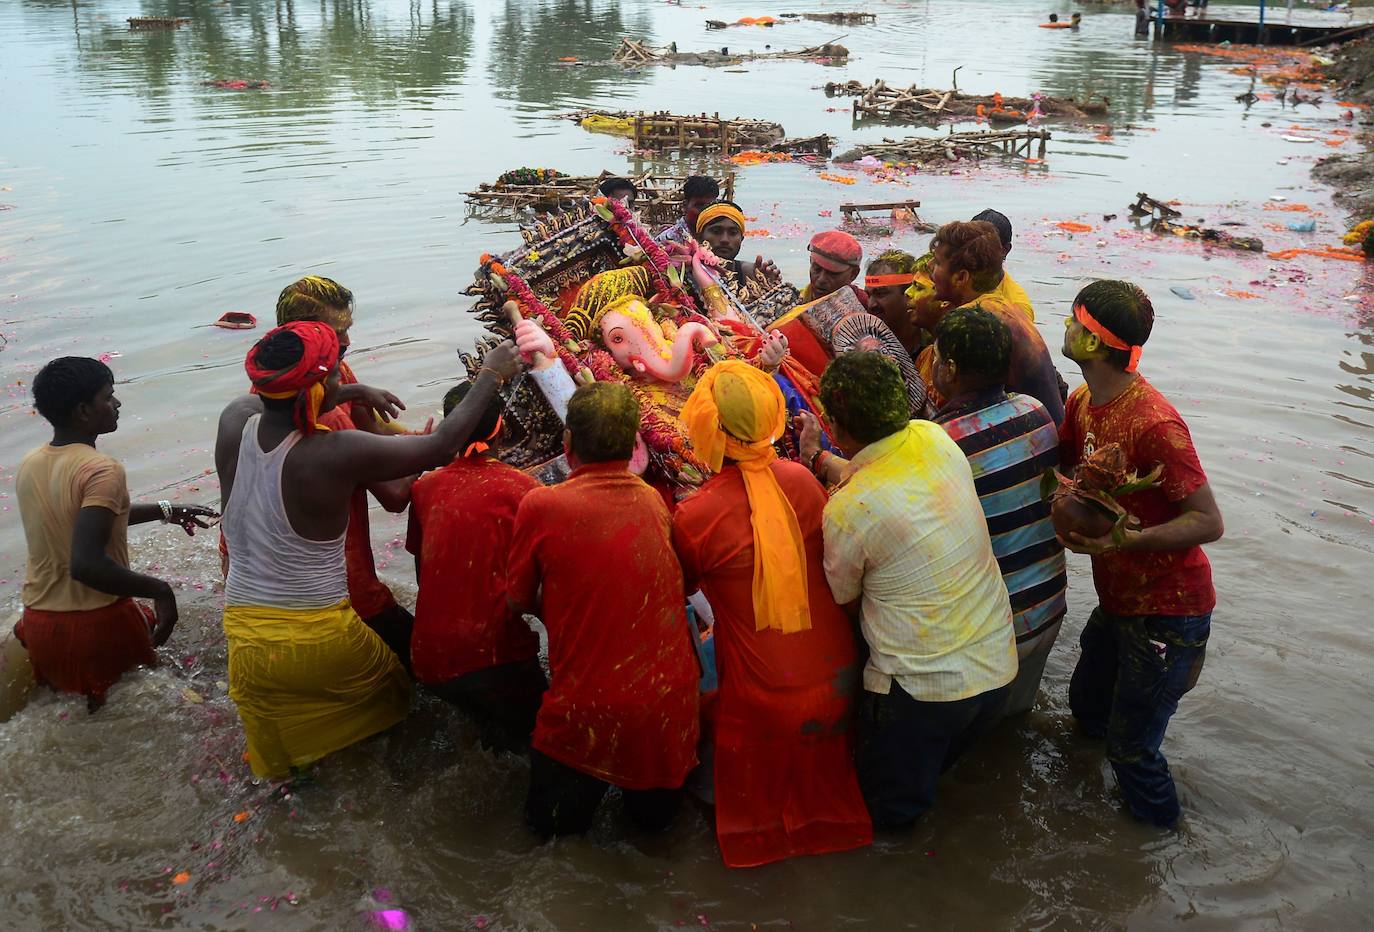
[882,281]
[1080,314]
[483,445]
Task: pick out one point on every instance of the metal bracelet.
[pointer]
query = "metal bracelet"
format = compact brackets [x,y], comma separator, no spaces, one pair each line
[166,511]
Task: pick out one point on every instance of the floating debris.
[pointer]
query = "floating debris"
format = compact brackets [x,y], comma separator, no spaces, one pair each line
[914,104]
[954,147]
[634,54]
[663,131]
[900,215]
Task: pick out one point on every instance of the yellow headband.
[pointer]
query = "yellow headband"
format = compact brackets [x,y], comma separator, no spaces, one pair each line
[716,211]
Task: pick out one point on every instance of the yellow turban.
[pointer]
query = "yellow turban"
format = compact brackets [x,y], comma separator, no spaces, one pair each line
[736,412]
[716,211]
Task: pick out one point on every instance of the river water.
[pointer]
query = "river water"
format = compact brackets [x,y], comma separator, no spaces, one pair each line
[140,204]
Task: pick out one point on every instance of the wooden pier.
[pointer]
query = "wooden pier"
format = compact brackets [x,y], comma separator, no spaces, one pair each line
[1241,25]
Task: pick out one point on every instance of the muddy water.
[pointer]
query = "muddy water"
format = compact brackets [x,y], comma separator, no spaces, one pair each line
[141,204]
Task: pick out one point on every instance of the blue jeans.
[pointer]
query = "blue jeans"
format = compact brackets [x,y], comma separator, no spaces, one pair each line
[1129,679]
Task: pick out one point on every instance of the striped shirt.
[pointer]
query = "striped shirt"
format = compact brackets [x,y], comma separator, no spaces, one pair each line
[1010,440]
[904,533]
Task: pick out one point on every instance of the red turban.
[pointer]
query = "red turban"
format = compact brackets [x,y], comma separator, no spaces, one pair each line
[303,379]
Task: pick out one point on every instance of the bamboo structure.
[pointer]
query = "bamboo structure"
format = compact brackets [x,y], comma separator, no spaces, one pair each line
[665,132]
[898,214]
[658,202]
[879,101]
[1146,206]
[955,147]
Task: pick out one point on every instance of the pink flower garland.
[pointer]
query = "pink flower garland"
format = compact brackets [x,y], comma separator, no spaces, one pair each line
[631,233]
[527,299]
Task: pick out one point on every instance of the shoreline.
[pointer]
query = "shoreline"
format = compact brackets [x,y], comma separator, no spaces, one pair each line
[1352,175]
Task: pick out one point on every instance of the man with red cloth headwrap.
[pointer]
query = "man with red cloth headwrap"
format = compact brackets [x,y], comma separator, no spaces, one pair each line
[315,297]
[307,675]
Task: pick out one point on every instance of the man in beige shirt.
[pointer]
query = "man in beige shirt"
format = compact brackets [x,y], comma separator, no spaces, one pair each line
[80,624]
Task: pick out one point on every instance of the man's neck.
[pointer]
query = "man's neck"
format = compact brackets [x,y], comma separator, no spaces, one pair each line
[1105,381]
[960,393]
[66,436]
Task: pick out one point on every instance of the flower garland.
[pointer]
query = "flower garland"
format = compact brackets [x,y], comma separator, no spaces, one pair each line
[659,432]
[527,299]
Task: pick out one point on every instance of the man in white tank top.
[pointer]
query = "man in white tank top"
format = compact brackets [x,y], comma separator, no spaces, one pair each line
[307,676]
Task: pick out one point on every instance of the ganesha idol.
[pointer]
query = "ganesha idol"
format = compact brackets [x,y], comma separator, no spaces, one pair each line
[594,298]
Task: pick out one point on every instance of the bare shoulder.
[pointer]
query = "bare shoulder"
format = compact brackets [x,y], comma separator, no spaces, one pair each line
[238,411]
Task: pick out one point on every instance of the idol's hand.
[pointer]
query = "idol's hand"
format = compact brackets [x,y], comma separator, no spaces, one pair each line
[534,344]
[774,351]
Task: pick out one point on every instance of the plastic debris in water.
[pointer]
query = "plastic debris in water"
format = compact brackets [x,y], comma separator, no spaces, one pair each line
[1182,292]
[390,920]
[1306,226]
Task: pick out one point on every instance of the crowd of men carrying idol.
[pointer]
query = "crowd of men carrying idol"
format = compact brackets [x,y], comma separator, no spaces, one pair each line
[880,602]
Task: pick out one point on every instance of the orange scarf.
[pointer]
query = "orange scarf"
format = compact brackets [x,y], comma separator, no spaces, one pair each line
[736,411]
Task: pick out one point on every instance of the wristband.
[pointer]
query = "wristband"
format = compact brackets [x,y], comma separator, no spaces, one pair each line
[166,511]
[815,460]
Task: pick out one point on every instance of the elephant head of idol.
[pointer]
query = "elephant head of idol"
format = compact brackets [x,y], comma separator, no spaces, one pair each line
[637,342]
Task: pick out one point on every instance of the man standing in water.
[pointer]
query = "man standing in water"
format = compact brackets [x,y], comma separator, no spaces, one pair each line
[593,558]
[307,675]
[1145,643]
[325,300]
[80,624]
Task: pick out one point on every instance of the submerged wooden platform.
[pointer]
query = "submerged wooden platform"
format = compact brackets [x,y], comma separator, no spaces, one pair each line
[1242,25]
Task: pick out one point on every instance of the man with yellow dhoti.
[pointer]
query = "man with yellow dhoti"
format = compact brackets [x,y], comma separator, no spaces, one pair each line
[308,677]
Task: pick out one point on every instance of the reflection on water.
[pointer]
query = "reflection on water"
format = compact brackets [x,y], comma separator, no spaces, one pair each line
[145,204]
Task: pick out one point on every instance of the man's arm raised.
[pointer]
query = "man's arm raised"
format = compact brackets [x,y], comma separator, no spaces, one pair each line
[362,458]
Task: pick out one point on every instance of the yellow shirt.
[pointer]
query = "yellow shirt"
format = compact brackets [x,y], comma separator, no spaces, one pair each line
[53,484]
[1012,293]
[906,533]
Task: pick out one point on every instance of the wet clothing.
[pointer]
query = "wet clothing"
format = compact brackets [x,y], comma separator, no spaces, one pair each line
[308,682]
[905,533]
[86,652]
[905,744]
[563,800]
[785,783]
[1150,432]
[1032,370]
[53,484]
[1010,441]
[622,699]
[503,700]
[461,520]
[1129,679]
[308,677]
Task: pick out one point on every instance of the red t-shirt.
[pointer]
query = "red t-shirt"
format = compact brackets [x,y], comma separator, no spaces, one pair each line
[461,520]
[622,699]
[1150,432]
[369,595]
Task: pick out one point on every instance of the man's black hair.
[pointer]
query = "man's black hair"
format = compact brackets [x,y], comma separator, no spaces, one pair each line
[455,395]
[978,342]
[603,418]
[610,186]
[700,186]
[863,394]
[1124,310]
[1000,221]
[66,382]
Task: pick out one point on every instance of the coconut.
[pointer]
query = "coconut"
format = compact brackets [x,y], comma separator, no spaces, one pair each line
[1074,513]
